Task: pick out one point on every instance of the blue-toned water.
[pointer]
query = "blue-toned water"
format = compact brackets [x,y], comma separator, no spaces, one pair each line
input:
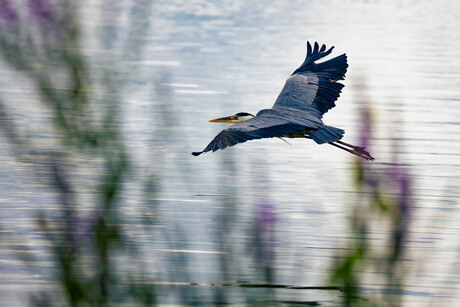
[206,59]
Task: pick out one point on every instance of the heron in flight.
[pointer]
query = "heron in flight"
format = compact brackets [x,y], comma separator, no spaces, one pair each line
[309,92]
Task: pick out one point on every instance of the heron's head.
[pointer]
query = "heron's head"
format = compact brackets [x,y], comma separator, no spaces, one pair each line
[238,117]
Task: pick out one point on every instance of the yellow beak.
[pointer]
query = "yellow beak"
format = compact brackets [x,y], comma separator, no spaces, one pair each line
[228,119]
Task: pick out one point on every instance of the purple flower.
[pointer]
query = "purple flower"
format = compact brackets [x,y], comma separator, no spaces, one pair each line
[400,229]
[264,235]
[400,180]
[83,230]
[7,13]
[365,132]
[266,217]
[42,10]
[404,200]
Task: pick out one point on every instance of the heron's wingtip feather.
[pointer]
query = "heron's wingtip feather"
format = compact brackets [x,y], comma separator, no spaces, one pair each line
[323,47]
[308,49]
[313,54]
[195,153]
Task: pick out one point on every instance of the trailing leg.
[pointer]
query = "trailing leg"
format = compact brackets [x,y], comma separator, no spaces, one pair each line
[356,150]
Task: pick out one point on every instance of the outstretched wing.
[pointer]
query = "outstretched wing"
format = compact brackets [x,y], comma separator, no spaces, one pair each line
[314,85]
[267,124]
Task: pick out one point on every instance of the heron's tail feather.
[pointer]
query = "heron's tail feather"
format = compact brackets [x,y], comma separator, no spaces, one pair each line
[326,134]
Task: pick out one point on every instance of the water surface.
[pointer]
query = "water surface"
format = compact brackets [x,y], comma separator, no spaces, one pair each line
[204,60]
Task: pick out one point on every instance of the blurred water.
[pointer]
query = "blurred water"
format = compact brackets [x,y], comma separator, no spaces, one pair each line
[204,60]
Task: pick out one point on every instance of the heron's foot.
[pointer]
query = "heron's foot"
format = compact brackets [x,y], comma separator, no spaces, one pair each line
[363,153]
[357,150]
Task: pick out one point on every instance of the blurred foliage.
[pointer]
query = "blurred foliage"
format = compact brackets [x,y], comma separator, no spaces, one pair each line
[43,42]
[382,205]
[97,264]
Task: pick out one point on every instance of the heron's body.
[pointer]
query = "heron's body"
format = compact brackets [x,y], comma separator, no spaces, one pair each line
[308,93]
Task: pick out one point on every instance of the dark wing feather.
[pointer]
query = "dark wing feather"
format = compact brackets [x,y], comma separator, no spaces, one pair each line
[267,124]
[314,85]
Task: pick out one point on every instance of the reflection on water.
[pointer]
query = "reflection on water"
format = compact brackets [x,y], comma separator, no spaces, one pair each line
[102,202]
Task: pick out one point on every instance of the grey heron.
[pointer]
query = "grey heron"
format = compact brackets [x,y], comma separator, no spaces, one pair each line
[308,94]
